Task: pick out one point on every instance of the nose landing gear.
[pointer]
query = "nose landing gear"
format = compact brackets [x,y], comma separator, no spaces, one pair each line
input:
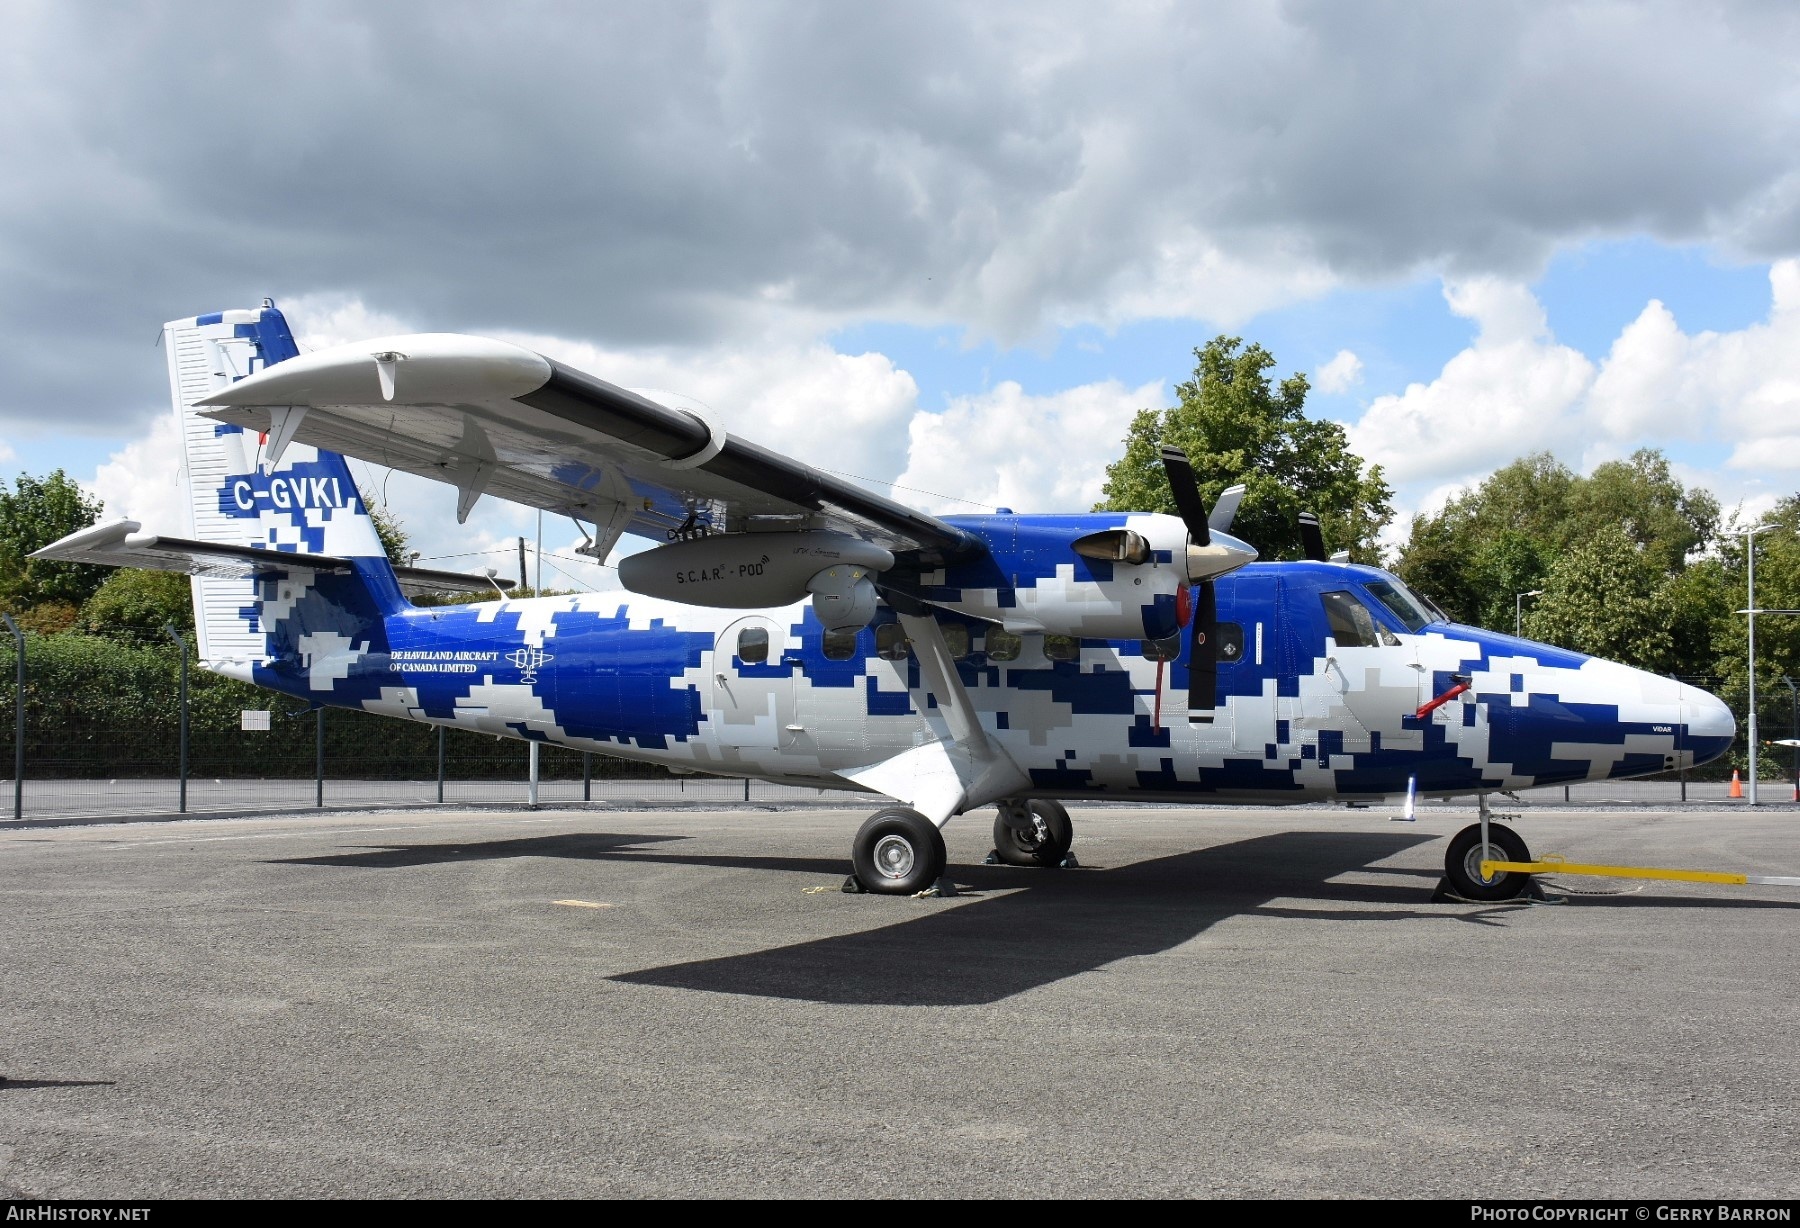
[1468,849]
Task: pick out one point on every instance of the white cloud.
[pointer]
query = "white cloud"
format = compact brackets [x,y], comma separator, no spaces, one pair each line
[1004,448]
[1511,392]
[1341,374]
[325,320]
[143,481]
[1516,390]
[681,175]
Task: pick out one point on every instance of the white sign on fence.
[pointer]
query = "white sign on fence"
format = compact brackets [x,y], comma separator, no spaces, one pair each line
[254,720]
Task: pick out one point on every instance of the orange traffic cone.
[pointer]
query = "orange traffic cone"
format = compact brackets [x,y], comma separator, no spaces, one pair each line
[1737,786]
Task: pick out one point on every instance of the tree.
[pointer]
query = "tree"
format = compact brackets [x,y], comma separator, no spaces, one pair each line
[1507,535]
[392,532]
[1236,427]
[1604,598]
[1777,588]
[137,604]
[1666,521]
[34,513]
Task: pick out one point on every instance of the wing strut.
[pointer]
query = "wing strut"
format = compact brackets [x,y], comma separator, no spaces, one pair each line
[941,779]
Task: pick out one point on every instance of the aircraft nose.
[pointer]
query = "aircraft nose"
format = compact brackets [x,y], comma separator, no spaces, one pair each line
[1711,728]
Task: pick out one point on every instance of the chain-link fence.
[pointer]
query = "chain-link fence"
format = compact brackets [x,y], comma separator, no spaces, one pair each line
[337,758]
[114,725]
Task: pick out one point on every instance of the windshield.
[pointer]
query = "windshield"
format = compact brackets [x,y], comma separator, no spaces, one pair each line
[1413,611]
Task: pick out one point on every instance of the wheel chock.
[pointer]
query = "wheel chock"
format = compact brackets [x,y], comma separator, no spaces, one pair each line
[1533,893]
[993,858]
[852,887]
[1068,863]
[1552,864]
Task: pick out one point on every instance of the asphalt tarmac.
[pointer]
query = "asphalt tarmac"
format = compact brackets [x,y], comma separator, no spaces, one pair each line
[656,1004]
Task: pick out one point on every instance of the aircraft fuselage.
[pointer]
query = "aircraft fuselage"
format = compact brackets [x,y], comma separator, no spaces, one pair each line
[1312,702]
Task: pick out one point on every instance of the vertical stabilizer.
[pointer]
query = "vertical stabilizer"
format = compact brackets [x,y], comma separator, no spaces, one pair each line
[305,501]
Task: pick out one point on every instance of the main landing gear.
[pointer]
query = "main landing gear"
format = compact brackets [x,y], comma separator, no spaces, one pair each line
[901,852]
[1034,833]
[897,852]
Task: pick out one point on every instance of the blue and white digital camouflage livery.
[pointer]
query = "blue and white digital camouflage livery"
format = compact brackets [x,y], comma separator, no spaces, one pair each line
[794,627]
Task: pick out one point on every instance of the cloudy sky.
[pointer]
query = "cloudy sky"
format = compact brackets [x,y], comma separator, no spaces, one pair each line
[947,246]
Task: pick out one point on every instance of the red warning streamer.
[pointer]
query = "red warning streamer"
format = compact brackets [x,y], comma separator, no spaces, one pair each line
[1432,705]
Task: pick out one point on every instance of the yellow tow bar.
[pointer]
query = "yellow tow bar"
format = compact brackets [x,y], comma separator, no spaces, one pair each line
[1552,864]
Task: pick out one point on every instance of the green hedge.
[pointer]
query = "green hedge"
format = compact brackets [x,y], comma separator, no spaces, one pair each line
[100,707]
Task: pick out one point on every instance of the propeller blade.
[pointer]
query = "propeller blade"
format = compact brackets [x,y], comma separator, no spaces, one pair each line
[1311,538]
[1203,655]
[1187,495]
[1225,510]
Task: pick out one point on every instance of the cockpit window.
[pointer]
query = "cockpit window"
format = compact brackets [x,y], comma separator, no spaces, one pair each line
[1401,602]
[1352,626]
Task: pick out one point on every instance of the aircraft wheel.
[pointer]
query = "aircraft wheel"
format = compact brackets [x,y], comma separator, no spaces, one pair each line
[898,852]
[1045,842]
[1462,863]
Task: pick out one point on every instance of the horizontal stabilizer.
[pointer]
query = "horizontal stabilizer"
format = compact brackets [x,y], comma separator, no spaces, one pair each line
[120,543]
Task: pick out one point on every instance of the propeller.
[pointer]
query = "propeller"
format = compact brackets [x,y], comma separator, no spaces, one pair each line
[1311,538]
[1211,552]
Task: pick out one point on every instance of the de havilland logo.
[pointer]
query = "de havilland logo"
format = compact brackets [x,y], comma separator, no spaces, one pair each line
[529,661]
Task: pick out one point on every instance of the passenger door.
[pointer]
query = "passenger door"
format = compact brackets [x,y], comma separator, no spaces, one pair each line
[752,699]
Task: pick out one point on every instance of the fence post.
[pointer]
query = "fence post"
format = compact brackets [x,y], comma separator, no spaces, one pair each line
[175,635]
[319,764]
[440,765]
[746,788]
[587,775]
[18,720]
[531,790]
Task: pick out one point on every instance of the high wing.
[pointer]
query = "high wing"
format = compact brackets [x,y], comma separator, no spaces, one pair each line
[489,417]
[120,543]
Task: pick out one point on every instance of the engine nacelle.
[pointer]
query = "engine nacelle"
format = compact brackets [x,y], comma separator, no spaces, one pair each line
[1103,576]
[753,571]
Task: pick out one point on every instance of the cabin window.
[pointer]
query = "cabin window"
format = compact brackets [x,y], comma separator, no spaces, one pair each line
[1349,620]
[840,645]
[1400,603]
[1062,648]
[890,642]
[1162,650]
[753,645]
[1230,639]
[1001,645]
[956,639]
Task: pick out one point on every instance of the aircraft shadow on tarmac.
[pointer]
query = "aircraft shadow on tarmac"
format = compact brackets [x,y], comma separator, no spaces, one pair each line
[1048,926]
[1062,924]
[590,846]
[9,1084]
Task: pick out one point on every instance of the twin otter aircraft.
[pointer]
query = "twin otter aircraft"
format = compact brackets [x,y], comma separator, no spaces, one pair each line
[794,627]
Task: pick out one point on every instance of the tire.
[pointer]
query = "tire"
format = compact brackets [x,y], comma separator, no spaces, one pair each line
[1049,844]
[1462,863]
[898,852]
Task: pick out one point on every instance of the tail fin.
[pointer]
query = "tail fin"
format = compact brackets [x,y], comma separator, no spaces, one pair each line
[307,503]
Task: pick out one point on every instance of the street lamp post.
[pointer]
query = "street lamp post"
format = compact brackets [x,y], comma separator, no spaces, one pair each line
[1519,610]
[1752,612]
[1794,728]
